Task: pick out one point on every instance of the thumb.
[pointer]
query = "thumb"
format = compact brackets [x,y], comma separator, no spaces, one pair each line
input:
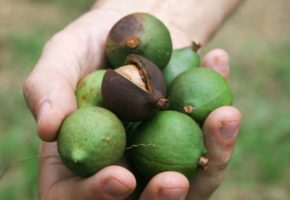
[69,55]
[49,89]
[50,98]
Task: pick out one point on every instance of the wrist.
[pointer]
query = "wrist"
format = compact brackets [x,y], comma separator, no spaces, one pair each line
[197,19]
[159,9]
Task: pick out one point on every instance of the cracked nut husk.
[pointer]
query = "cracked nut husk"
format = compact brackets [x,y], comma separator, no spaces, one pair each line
[135,91]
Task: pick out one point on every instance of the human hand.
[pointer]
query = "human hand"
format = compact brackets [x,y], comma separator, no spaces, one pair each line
[49,91]
[116,182]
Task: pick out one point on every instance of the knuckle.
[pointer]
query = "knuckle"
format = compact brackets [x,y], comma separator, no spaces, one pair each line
[27,87]
[221,164]
[54,40]
[28,92]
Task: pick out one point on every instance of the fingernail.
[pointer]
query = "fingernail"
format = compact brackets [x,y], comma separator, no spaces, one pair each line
[114,188]
[229,129]
[44,108]
[172,194]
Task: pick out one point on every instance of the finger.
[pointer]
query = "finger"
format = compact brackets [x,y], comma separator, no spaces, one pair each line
[50,98]
[52,169]
[217,59]
[113,182]
[220,133]
[57,182]
[166,186]
[69,55]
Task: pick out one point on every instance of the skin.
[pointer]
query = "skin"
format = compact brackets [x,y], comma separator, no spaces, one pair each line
[79,49]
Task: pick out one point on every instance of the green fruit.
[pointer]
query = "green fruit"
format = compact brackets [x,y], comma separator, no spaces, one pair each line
[90,139]
[142,34]
[88,91]
[181,60]
[198,92]
[170,141]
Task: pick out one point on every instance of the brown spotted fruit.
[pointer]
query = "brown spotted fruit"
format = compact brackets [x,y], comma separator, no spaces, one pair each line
[142,34]
[135,91]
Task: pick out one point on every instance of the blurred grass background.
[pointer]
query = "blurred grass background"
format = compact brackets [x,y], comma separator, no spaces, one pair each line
[257,38]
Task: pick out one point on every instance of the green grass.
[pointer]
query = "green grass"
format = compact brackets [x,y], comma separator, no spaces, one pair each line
[17,142]
[265,132]
[18,137]
[76,5]
[28,47]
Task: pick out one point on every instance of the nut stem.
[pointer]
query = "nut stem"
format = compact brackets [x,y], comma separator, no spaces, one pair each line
[162,103]
[187,109]
[203,161]
[133,43]
[195,46]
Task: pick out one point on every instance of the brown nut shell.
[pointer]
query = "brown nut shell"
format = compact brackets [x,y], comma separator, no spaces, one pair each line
[128,101]
[152,74]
